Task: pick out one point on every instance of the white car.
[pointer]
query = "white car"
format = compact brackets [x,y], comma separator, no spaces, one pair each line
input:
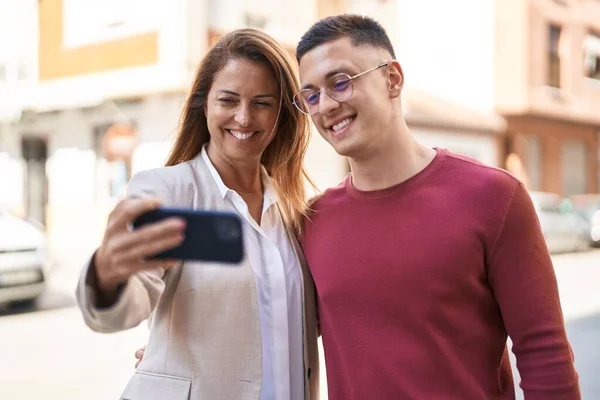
[588,206]
[595,230]
[564,229]
[23,259]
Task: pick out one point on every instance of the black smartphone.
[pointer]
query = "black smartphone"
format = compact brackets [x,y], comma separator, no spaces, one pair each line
[209,235]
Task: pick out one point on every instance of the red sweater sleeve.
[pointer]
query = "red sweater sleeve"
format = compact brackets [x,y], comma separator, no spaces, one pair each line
[522,277]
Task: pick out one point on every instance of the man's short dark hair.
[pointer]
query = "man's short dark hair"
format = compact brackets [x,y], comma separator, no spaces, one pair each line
[360,29]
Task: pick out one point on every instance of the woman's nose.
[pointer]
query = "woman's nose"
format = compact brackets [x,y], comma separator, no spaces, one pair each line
[243,116]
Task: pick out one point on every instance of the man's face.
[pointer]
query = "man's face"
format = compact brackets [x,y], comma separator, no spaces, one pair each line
[351,126]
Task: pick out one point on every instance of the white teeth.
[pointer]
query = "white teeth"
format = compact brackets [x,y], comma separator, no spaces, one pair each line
[341,125]
[240,135]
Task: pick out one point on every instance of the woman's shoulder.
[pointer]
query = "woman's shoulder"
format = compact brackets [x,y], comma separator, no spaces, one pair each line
[174,184]
[168,176]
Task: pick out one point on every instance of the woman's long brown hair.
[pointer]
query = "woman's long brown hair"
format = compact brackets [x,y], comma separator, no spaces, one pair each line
[283,158]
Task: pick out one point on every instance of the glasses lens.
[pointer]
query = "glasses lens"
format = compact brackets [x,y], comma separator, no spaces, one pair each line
[300,103]
[308,101]
[341,89]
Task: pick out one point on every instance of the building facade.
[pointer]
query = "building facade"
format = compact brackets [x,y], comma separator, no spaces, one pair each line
[102,102]
[525,72]
[92,91]
[448,98]
[547,87]
[96,90]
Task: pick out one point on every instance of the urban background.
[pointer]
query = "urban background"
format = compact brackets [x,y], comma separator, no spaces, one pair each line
[91,92]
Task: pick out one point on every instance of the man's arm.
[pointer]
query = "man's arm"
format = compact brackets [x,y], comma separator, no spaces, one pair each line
[521,274]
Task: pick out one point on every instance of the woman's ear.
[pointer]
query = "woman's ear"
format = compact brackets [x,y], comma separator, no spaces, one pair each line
[395,78]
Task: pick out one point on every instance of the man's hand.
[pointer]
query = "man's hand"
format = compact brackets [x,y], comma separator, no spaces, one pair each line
[139,354]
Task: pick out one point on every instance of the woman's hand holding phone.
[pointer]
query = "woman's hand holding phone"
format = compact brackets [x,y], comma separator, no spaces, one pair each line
[125,251]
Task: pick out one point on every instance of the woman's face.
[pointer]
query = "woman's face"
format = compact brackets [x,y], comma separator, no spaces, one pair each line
[241,111]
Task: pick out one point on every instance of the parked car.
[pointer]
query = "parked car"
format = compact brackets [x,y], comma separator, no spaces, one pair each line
[588,206]
[564,229]
[23,259]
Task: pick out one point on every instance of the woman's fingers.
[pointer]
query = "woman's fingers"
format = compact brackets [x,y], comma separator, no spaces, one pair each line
[150,240]
[125,252]
[146,250]
[129,210]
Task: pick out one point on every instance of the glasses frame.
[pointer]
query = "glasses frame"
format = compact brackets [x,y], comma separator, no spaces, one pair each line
[330,94]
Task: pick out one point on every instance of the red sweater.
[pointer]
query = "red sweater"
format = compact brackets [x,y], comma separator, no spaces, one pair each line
[419,284]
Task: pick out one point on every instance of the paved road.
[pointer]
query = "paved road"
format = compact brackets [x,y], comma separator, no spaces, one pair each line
[47,353]
[578,278]
[584,334]
[579,281]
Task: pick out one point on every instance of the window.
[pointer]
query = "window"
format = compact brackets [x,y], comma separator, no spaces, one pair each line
[17,19]
[598,154]
[114,145]
[92,21]
[259,14]
[592,55]
[574,176]
[554,56]
[23,70]
[327,8]
[533,158]
[257,21]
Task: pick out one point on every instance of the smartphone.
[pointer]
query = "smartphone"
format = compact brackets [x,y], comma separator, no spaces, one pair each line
[209,235]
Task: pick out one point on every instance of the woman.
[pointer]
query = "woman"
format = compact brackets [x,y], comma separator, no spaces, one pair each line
[219,332]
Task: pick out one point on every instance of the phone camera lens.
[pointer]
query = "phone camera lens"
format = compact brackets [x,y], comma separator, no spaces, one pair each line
[227,229]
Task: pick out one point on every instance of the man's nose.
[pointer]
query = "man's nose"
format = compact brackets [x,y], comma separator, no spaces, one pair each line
[327,103]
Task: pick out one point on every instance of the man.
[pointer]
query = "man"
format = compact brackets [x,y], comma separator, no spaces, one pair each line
[424,261]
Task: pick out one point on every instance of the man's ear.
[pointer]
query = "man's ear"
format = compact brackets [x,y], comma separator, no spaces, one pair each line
[395,78]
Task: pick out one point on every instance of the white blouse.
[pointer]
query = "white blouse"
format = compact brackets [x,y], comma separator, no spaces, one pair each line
[278,288]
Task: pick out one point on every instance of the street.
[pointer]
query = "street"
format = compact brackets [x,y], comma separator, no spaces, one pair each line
[578,278]
[48,353]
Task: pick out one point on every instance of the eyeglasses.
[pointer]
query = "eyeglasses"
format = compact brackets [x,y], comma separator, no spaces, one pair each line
[340,90]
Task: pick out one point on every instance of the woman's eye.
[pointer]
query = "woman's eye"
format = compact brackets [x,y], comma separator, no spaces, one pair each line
[226,100]
[263,104]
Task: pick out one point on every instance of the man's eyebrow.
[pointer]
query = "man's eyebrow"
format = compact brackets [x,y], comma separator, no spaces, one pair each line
[335,72]
[261,96]
[329,75]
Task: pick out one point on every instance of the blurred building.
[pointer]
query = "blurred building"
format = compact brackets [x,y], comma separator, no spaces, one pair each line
[513,83]
[448,98]
[91,91]
[547,86]
[18,74]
